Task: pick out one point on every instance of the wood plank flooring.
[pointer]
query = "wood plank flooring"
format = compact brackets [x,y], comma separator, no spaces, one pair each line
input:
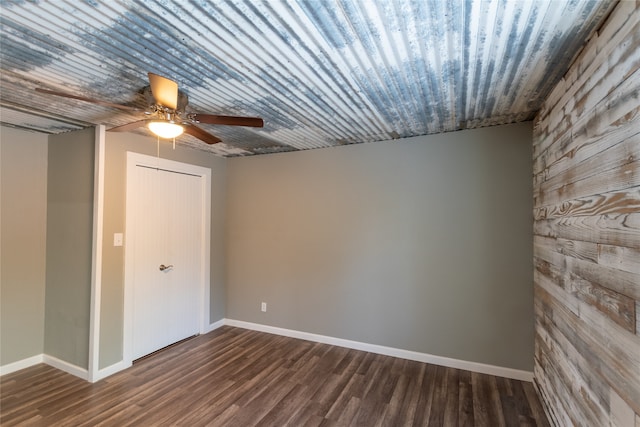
[237,377]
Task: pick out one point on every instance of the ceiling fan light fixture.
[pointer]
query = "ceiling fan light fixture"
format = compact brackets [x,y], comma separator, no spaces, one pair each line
[165,128]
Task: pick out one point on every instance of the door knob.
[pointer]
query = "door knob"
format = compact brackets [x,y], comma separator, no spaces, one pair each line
[165,267]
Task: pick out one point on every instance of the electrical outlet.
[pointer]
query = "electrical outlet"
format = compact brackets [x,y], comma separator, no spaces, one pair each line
[263,307]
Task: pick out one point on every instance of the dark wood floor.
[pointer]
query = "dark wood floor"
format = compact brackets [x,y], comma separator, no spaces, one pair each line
[236,377]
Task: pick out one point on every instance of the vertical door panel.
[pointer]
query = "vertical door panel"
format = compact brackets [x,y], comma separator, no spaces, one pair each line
[184,231]
[147,299]
[168,230]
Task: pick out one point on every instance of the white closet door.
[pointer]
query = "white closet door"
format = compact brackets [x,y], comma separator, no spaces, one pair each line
[168,217]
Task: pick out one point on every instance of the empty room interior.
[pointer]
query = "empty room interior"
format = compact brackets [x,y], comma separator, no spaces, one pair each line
[349,212]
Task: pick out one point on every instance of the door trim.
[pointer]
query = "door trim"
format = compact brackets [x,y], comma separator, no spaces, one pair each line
[135,160]
[96,254]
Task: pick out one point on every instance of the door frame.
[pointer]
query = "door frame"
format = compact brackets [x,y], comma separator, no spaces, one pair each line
[136,160]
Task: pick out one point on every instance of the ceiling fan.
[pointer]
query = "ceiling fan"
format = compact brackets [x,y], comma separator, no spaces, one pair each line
[167,115]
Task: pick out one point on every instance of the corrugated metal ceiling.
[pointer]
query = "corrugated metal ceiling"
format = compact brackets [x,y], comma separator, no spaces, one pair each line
[320,72]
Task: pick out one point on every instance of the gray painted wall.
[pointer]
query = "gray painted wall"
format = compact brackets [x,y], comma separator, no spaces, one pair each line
[58,264]
[112,297]
[422,244]
[69,246]
[23,210]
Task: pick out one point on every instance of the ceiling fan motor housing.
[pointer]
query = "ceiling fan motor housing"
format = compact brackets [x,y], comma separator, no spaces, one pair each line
[183,100]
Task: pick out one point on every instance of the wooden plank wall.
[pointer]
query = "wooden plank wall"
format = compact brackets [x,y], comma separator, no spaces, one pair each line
[587,233]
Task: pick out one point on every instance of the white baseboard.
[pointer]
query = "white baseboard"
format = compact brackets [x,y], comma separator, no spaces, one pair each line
[356,345]
[20,364]
[66,367]
[215,325]
[49,360]
[109,370]
[481,368]
[76,370]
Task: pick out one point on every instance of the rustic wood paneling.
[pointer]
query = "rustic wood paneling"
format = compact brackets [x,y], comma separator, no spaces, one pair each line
[587,233]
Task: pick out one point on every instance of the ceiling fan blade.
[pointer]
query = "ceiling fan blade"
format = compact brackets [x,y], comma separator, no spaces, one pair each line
[164,90]
[82,98]
[213,119]
[129,126]
[201,134]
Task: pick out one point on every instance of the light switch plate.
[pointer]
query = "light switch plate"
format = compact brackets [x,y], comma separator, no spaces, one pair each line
[117,239]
